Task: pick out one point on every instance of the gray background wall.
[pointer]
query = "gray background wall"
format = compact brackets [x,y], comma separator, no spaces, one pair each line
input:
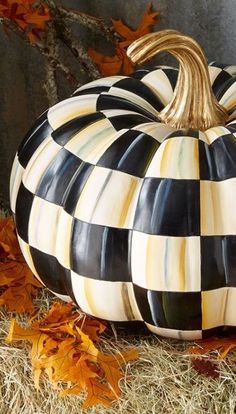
[22,98]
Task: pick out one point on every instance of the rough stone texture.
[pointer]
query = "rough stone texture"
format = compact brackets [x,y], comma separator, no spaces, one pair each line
[211,22]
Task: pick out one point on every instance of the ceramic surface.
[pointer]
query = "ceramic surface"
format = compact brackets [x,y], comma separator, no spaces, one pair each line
[128,217]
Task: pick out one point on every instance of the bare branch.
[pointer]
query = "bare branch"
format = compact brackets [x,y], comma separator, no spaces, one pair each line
[50,85]
[74,45]
[77,49]
[95,24]
[59,33]
[45,51]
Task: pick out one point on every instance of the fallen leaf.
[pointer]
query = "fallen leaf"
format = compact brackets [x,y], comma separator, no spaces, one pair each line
[111,366]
[17,333]
[222,345]
[98,393]
[18,285]
[9,246]
[205,367]
[63,350]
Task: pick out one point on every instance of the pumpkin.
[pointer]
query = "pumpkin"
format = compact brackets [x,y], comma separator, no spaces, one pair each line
[123,195]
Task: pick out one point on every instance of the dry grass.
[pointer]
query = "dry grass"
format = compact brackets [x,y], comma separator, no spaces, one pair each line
[161,381]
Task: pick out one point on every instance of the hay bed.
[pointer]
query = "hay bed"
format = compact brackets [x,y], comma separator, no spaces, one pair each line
[162,380]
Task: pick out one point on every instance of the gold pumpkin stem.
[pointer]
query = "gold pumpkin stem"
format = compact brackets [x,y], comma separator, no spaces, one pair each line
[193,104]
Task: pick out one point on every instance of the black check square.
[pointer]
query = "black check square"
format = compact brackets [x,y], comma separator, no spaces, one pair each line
[218,262]
[24,203]
[168,207]
[100,252]
[52,273]
[218,160]
[160,308]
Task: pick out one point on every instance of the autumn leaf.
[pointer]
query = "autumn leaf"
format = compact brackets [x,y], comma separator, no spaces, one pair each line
[63,349]
[28,17]
[9,246]
[119,62]
[98,393]
[146,22]
[82,371]
[18,285]
[38,18]
[18,291]
[108,65]
[205,367]
[222,345]
[111,366]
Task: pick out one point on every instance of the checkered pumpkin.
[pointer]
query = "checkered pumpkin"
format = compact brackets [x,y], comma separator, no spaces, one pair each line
[129,217]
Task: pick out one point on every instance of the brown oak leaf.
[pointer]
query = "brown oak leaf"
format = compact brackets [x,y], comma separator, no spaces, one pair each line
[29,17]
[205,367]
[119,62]
[18,285]
[222,344]
[63,349]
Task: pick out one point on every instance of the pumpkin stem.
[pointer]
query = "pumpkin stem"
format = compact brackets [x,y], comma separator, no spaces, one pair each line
[193,104]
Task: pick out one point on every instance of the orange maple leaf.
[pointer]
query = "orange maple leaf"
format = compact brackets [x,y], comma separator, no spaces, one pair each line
[63,350]
[111,65]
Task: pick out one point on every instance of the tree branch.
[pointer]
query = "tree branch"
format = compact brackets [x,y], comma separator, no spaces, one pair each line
[74,45]
[46,51]
[50,85]
[77,49]
[93,23]
[57,33]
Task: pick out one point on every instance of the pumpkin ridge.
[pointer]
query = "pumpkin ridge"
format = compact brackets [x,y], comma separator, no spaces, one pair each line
[130,217]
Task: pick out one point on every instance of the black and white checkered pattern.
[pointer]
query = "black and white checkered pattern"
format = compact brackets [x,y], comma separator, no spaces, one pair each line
[128,217]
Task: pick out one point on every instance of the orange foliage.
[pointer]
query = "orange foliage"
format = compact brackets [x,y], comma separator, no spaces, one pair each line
[223,345]
[205,367]
[17,283]
[25,16]
[64,348]
[111,65]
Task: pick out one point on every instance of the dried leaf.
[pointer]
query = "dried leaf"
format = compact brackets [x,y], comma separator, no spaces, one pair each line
[9,246]
[98,393]
[34,35]
[205,367]
[17,283]
[17,333]
[81,373]
[31,19]
[38,17]
[111,366]
[63,350]
[223,345]
[146,22]
[111,65]
[108,65]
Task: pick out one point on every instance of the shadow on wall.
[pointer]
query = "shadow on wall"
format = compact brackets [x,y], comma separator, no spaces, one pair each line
[211,22]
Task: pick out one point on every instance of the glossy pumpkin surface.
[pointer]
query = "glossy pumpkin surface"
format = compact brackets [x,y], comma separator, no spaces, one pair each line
[131,218]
